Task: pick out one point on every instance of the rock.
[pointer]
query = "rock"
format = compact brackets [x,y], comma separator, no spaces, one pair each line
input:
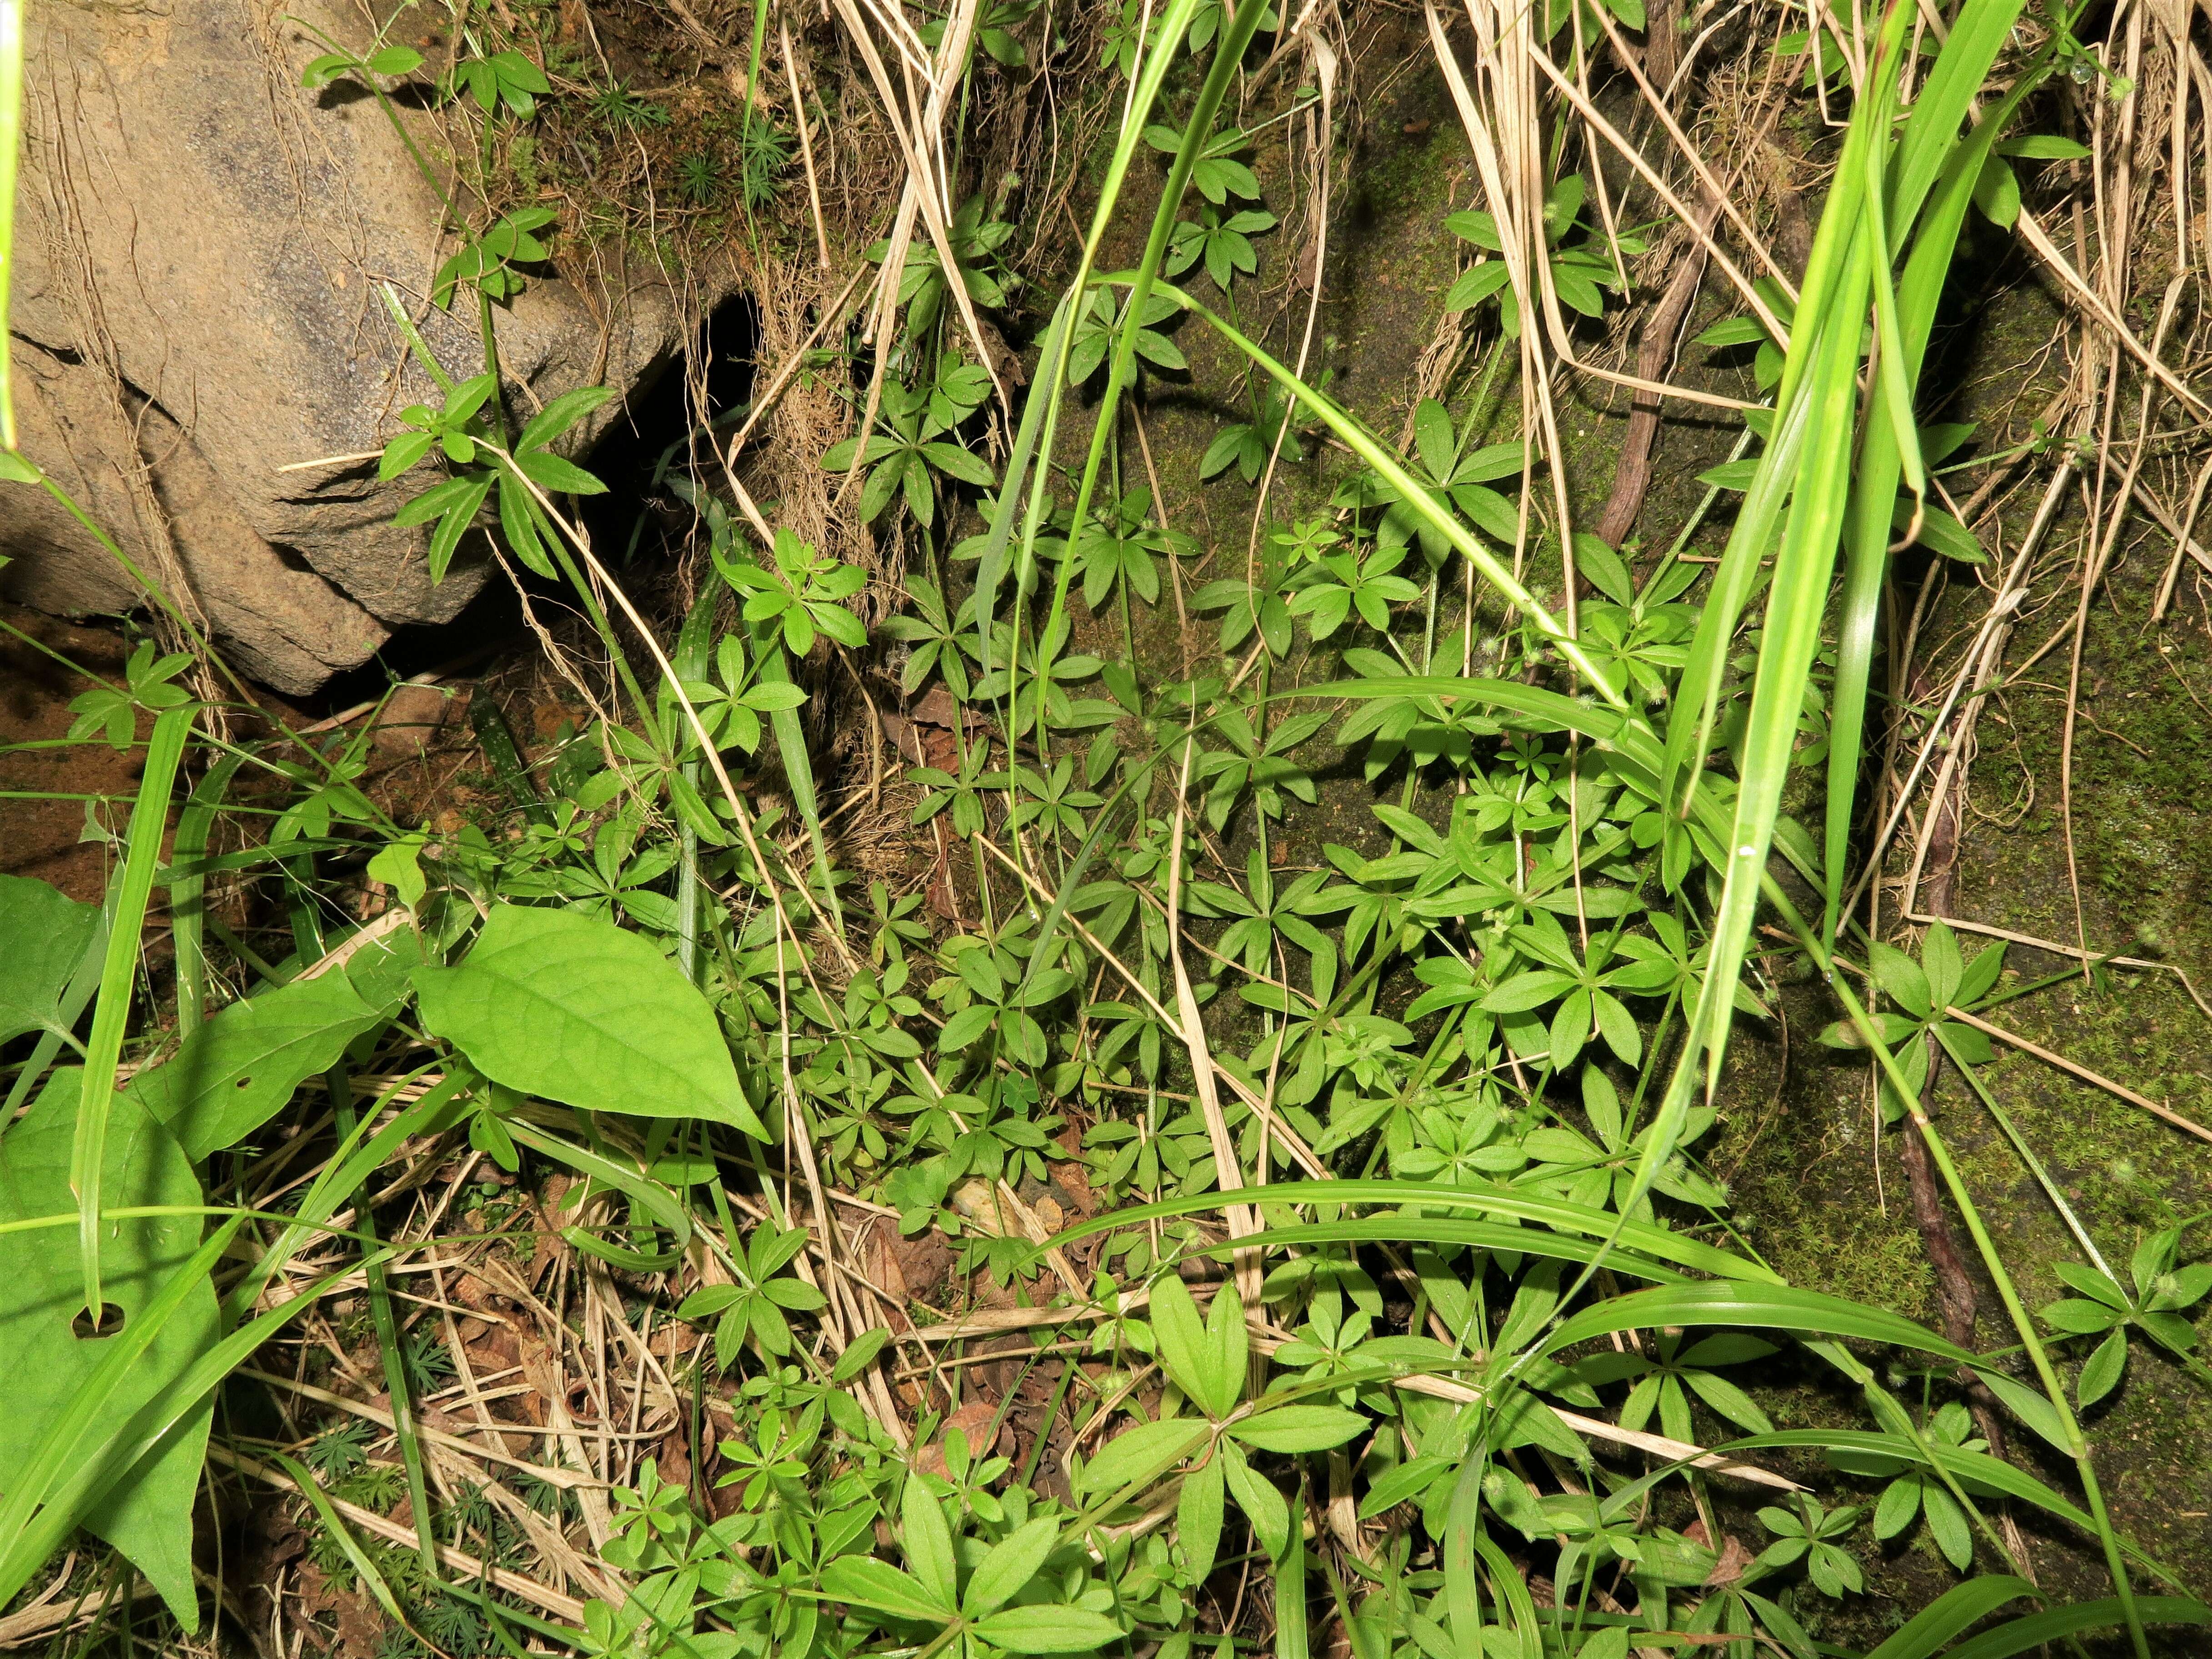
[411,718]
[199,243]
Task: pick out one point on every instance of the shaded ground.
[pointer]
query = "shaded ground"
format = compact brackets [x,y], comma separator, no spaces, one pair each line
[42,819]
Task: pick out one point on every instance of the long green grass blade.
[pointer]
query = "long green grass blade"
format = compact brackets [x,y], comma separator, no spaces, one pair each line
[149,819]
[1951,1613]
[1228,55]
[1761,1307]
[2062,1624]
[364,1567]
[1418,496]
[1041,412]
[1866,541]
[1517,1203]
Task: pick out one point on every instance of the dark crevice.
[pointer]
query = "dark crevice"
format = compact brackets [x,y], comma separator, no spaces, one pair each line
[661,436]
[636,528]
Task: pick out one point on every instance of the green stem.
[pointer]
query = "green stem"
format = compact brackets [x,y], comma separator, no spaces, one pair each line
[2076,1447]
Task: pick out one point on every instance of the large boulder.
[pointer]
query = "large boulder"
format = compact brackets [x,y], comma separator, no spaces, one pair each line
[200,243]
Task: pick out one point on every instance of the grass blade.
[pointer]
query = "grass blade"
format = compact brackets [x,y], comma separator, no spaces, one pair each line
[1228,54]
[1520,1204]
[363,1567]
[188,891]
[1951,1614]
[1760,1307]
[1417,496]
[1041,414]
[119,973]
[2061,1624]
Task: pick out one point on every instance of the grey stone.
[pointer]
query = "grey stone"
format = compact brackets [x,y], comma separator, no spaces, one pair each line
[200,246]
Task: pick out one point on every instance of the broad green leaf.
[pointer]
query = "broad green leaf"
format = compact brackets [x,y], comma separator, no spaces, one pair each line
[859,1354]
[46,933]
[2030,1406]
[1138,1454]
[1193,1355]
[570,1007]
[148,1518]
[1228,1350]
[1293,1429]
[1263,1502]
[1047,1630]
[238,1071]
[563,412]
[1198,1518]
[1012,1562]
[2045,147]
[929,1541]
[2102,1373]
[866,1581]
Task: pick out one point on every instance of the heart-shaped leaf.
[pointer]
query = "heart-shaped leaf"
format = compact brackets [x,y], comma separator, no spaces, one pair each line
[570,1007]
[149,1516]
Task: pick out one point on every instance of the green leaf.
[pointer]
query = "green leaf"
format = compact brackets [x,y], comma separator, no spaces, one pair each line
[1734,331]
[240,1069]
[864,1580]
[1530,990]
[1193,1357]
[572,1008]
[321,72]
[2102,1373]
[556,476]
[1047,1630]
[1229,1350]
[2030,1406]
[1012,1562]
[1293,1429]
[1198,1518]
[928,1541]
[1997,192]
[964,1027]
[1941,962]
[1263,1504]
[1939,533]
[1948,1527]
[149,1514]
[1138,1454]
[1769,1307]
[860,1353]
[47,934]
[1730,475]
[1951,1615]
[2043,146]
[563,412]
